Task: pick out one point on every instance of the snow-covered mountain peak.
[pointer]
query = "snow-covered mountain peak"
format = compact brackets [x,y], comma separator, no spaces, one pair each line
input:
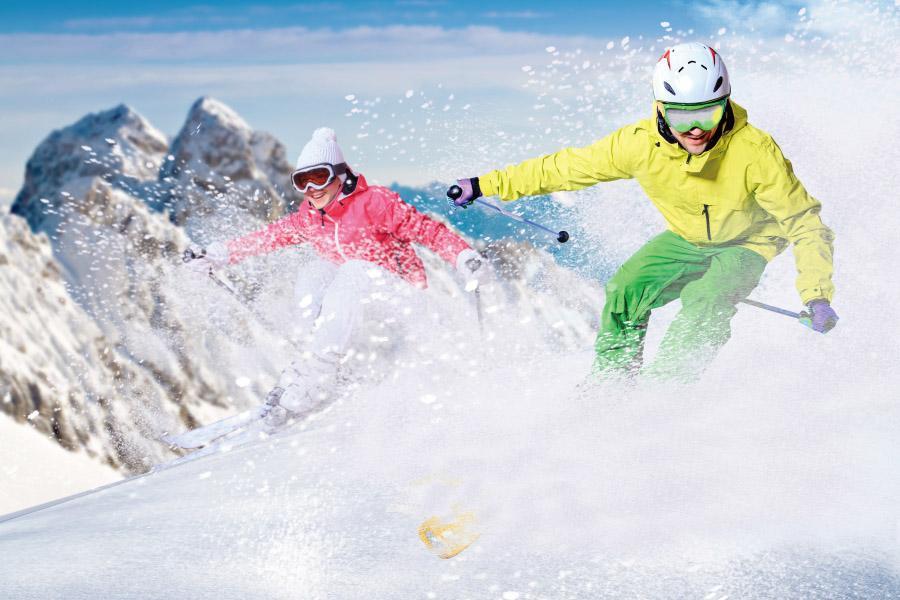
[210,108]
[218,161]
[118,145]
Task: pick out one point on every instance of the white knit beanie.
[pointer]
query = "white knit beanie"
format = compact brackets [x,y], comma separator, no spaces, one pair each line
[321,148]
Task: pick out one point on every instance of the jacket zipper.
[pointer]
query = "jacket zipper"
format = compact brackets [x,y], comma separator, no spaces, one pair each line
[337,241]
[706,214]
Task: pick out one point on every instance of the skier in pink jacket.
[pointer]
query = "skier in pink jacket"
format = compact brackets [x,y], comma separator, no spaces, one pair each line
[357,228]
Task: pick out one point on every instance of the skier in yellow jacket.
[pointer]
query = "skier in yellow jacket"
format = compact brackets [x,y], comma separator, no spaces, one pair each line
[731,201]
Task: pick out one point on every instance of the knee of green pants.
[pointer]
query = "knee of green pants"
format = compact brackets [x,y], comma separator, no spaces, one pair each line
[620,343]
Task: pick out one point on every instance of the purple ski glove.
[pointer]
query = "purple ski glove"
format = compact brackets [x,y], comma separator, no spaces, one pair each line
[464,192]
[822,317]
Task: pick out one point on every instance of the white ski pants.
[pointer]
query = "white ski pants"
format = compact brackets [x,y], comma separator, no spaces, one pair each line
[340,306]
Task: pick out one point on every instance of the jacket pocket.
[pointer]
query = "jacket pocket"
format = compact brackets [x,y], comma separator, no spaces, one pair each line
[725,221]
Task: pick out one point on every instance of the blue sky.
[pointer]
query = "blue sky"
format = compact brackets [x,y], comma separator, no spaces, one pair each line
[288,67]
[561,17]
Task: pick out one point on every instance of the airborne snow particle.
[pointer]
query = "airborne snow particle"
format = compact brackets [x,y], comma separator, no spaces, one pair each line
[550,49]
[242,382]
[428,399]
[205,475]
[625,41]
[350,97]
[664,24]
[86,148]
[526,68]
[409,93]
[34,414]
[802,11]
[610,45]
[722,30]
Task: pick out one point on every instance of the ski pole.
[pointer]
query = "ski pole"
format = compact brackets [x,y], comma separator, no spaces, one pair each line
[561,236]
[802,317]
[478,312]
[190,255]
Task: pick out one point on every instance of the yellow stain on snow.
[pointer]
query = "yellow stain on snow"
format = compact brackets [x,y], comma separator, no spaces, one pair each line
[447,539]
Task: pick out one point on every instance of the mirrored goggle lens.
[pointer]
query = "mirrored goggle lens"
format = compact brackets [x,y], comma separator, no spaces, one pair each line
[683,120]
[316,178]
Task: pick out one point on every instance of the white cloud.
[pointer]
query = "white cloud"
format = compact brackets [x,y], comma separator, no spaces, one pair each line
[289,44]
[746,15]
[145,22]
[515,14]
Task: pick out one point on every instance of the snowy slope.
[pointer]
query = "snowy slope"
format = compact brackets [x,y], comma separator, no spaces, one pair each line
[606,496]
[36,469]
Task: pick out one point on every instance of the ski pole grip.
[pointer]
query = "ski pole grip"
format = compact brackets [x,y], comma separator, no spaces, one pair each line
[188,255]
[455,192]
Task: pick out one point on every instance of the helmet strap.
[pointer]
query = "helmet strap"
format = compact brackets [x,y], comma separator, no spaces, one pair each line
[663,128]
[724,127]
[349,183]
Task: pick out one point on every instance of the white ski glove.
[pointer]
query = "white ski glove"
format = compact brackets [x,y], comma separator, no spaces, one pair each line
[474,269]
[203,260]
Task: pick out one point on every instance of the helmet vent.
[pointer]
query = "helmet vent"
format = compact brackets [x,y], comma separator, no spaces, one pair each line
[718,84]
[669,88]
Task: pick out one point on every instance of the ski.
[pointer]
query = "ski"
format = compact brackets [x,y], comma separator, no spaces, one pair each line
[203,436]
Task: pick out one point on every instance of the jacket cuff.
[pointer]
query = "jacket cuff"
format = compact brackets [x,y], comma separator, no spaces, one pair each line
[476,188]
[816,294]
[485,185]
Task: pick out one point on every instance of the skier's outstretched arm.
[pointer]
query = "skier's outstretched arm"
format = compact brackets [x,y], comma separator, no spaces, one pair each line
[780,193]
[288,231]
[405,223]
[610,158]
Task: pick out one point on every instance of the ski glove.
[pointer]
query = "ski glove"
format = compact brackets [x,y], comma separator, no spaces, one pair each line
[464,192]
[204,260]
[822,317]
[473,268]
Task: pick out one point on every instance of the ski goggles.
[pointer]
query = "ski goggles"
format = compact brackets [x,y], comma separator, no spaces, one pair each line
[684,117]
[316,177]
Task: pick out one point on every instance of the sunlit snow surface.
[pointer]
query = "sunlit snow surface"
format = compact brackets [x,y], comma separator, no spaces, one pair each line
[610,494]
[775,477]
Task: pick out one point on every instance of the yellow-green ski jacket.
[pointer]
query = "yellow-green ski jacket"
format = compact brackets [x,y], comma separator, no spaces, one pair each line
[741,192]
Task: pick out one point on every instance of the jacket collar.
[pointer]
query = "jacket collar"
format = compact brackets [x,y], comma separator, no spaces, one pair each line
[337,206]
[695,163]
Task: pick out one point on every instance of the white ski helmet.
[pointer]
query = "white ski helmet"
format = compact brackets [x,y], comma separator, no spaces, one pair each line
[689,74]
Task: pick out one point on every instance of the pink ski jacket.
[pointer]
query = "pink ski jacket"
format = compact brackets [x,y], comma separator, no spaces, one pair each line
[371,224]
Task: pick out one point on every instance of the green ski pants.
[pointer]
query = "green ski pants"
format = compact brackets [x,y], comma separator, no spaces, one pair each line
[710,281]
